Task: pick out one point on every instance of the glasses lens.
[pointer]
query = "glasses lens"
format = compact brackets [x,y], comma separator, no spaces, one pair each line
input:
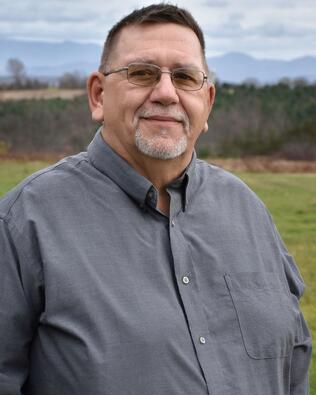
[188,79]
[142,74]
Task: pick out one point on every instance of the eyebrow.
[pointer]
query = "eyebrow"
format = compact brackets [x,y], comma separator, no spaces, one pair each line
[151,61]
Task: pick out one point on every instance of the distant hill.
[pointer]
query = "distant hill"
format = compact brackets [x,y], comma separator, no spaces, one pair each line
[238,67]
[53,59]
[50,59]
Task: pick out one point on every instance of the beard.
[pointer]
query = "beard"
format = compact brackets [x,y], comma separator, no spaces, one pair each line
[158,147]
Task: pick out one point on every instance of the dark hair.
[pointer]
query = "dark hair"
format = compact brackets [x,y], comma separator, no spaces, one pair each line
[155,13]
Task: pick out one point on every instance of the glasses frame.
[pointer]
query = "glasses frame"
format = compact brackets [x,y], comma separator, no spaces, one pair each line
[125,68]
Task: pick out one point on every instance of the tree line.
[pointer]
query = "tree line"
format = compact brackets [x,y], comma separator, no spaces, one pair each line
[246,120]
[18,78]
[275,119]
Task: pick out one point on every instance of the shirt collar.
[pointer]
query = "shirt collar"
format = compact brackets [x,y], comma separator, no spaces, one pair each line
[191,180]
[108,162]
[187,182]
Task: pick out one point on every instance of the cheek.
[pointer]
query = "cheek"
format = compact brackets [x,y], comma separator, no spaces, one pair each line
[130,102]
[116,111]
[111,114]
[197,111]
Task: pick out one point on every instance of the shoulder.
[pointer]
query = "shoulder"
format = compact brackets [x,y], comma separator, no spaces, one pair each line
[208,170]
[220,191]
[41,185]
[222,181]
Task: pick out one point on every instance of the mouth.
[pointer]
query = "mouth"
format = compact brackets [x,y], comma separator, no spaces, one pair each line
[160,118]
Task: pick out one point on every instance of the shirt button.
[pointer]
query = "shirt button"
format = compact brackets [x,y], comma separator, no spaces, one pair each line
[173,223]
[202,340]
[185,280]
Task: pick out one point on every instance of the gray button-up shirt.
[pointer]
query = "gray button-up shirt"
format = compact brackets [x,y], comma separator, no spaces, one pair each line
[102,294]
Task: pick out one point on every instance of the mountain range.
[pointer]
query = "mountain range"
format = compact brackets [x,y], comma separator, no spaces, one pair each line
[52,59]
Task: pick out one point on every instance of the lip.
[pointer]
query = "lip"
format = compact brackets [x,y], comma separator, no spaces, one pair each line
[161,118]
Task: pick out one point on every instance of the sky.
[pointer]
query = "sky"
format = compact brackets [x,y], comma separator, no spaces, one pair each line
[275,29]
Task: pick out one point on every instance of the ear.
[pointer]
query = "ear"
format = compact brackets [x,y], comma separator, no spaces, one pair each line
[211,94]
[95,96]
[211,98]
[205,128]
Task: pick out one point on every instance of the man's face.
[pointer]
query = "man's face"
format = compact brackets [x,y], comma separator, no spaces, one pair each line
[158,121]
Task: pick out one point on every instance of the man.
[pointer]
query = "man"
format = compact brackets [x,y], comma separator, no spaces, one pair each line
[134,268]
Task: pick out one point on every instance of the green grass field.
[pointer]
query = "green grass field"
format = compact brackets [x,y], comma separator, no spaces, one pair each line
[291,198]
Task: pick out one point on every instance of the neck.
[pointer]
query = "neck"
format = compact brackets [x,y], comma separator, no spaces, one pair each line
[160,172]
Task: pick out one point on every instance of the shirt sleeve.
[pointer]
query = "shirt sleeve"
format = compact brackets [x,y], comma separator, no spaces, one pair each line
[17,312]
[302,350]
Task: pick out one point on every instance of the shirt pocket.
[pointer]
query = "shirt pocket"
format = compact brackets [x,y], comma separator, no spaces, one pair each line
[265,313]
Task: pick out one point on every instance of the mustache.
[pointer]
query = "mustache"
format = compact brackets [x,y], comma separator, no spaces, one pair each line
[174,113]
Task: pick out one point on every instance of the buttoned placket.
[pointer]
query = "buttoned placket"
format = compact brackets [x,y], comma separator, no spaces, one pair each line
[190,295]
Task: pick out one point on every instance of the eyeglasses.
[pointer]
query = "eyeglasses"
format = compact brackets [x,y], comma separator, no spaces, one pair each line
[145,74]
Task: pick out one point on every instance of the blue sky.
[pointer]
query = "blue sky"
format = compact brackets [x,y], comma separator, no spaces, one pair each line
[281,29]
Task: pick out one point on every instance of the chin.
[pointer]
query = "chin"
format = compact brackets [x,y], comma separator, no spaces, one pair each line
[160,148]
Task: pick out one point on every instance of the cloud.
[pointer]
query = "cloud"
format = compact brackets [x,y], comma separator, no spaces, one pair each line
[253,27]
[215,3]
[280,30]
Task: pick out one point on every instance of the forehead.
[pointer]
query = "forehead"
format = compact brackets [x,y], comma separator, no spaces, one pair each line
[164,44]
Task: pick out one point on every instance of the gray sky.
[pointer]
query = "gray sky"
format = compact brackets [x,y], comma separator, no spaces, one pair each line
[282,29]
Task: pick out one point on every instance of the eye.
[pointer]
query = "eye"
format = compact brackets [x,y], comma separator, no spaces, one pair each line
[185,75]
[141,71]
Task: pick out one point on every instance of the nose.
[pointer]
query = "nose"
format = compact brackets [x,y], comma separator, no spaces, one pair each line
[163,91]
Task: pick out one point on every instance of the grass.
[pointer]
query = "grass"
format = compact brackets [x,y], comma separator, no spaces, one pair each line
[13,171]
[291,199]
